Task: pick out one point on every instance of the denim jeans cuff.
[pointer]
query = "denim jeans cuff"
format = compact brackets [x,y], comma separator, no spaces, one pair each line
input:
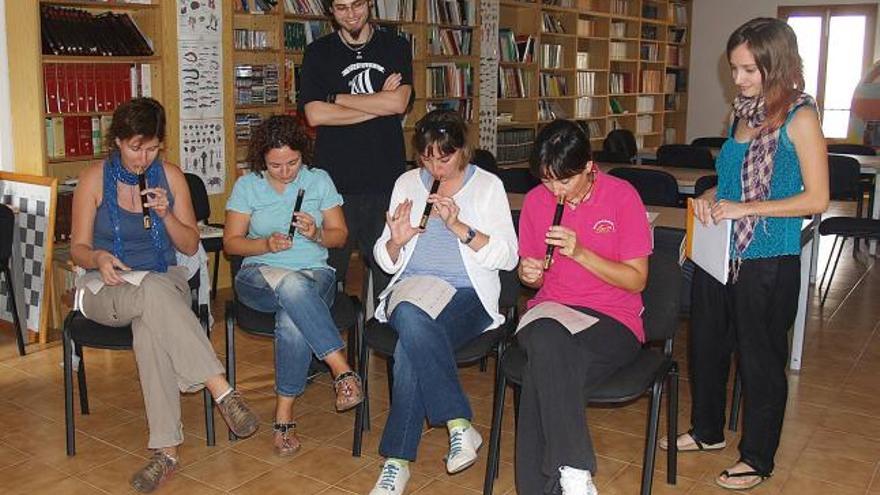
[331,351]
[289,395]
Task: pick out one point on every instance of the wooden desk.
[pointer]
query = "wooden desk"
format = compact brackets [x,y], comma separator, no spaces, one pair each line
[685,177]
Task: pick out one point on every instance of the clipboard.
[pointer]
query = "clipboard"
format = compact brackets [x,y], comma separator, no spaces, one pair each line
[708,246]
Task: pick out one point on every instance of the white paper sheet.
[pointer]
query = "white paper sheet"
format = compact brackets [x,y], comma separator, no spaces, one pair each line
[430,294]
[711,248]
[573,320]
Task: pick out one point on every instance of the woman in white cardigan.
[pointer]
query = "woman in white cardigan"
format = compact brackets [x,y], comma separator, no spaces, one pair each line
[444,291]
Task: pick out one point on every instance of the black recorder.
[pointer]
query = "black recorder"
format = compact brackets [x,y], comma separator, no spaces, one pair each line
[296,206]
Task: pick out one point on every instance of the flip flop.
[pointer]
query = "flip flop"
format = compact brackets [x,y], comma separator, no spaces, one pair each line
[696,446]
[722,479]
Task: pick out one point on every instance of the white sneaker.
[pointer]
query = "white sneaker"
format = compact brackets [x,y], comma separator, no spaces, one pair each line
[576,481]
[392,480]
[463,446]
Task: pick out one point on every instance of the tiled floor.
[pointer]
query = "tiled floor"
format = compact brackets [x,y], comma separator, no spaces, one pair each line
[830,443]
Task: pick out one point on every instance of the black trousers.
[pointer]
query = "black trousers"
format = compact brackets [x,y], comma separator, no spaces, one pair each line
[365,218]
[751,317]
[561,372]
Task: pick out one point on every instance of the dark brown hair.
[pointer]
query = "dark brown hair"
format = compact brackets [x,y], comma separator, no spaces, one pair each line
[773,43]
[561,150]
[137,117]
[275,132]
[446,129]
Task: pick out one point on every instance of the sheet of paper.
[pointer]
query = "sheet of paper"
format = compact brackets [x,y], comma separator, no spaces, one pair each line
[209,231]
[430,294]
[93,281]
[652,217]
[273,275]
[710,246]
[573,320]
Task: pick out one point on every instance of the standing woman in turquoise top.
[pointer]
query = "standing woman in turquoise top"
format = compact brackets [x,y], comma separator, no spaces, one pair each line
[118,228]
[290,275]
[772,171]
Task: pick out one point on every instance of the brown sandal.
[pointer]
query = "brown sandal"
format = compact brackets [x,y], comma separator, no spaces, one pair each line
[284,439]
[348,391]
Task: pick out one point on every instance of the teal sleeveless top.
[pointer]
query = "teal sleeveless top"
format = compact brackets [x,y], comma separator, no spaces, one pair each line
[774,236]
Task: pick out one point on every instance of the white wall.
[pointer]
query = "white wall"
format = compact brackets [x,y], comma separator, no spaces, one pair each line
[7,156]
[710,89]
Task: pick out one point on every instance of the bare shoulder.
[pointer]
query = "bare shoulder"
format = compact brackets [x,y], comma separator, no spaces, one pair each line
[172,171]
[804,125]
[90,178]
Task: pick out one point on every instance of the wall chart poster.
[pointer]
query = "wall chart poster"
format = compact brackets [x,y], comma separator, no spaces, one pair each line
[201,80]
[198,18]
[202,152]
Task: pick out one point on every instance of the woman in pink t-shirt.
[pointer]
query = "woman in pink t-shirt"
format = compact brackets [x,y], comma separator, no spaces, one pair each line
[599,267]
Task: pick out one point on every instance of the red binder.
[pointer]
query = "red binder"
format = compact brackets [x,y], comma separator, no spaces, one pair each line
[61,87]
[50,87]
[84,135]
[70,82]
[80,79]
[89,85]
[71,137]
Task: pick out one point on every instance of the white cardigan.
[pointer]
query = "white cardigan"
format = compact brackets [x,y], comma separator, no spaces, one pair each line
[483,206]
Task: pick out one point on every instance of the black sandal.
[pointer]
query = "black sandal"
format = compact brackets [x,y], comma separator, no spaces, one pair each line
[722,478]
[699,444]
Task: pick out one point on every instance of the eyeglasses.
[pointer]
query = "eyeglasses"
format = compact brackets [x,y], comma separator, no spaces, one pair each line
[356,6]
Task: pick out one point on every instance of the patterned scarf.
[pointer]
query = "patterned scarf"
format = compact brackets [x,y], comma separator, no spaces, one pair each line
[114,172]
[757,168]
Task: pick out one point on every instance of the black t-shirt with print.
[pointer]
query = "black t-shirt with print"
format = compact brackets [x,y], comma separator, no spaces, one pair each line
[369,156]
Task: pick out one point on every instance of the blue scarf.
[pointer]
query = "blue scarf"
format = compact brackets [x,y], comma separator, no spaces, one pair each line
[114,172]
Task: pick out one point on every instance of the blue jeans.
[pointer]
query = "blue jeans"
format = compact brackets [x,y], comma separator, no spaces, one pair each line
[303,323]
[425,373]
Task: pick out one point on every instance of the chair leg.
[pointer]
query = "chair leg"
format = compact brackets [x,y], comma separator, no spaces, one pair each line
[735,402]
[517,392]
[833,269]
[651,440]
[361,413]
[68,390]
[492,461]
[81,380]
[214,277]
[209,401]
[16,322]
[484,364]
[389,371]
[230,351]
[672,427]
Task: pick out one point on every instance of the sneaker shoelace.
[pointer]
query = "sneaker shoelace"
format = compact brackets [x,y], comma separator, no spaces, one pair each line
[456,441]
[158,466]
[388,478]
[235,407]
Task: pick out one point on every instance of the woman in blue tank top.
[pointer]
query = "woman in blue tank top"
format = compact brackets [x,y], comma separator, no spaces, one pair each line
[131,214]
[772,171]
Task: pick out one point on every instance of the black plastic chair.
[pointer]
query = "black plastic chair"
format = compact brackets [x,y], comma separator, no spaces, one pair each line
[517,180]
[7,224]
[347,314]
[655,187]
[705,183]
[685,156]
[485,160]
[620,143]
[611,157]
[709,142]
[202,207]
[382,339]
[645,375]
[852,149]
[79,332]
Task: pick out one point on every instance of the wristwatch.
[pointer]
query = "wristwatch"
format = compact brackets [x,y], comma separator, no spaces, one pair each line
[471,233]
[331,98]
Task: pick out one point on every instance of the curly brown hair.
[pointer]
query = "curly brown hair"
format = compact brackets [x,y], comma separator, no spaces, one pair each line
[275,132]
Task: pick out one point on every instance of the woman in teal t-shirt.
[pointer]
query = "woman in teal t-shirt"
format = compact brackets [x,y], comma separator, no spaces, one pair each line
[289,275]
[772,171]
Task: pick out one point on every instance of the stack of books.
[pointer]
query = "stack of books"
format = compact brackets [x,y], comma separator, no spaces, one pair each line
[67,31]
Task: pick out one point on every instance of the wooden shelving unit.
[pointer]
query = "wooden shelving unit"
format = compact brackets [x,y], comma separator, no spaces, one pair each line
[604,63]
[43,161]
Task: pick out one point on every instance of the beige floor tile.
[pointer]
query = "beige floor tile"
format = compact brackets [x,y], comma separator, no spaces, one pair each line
[227,469]
[834,468]
[798,484]
[280,481]
[629,481]
[327,463]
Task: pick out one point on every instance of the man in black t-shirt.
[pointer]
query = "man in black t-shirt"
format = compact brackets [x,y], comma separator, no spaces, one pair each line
[356,84]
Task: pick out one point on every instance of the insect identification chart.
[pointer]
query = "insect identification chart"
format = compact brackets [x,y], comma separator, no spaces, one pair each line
[200,73]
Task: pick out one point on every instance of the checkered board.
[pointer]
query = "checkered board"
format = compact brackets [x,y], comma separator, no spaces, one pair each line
[33,202]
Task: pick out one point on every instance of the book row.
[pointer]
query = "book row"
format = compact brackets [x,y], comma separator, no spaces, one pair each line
[79,136]
[93,87]
[77,32]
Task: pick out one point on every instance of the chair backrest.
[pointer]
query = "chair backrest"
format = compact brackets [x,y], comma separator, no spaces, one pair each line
[656,187]
[662,296]
[685,155]
[852,149]
[485,160]
[7,223]
[611,156]
[709,142]
[621,141]
[843,178]
[517,180]
[199,196]
[705,183]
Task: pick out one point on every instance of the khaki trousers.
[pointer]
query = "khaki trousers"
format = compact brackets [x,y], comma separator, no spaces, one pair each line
[173,353]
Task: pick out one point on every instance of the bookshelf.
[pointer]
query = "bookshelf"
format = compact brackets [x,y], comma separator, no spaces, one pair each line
[605,63]
[445,43]
[80,74]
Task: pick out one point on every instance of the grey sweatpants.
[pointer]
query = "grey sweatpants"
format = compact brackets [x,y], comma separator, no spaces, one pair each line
[173,353]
